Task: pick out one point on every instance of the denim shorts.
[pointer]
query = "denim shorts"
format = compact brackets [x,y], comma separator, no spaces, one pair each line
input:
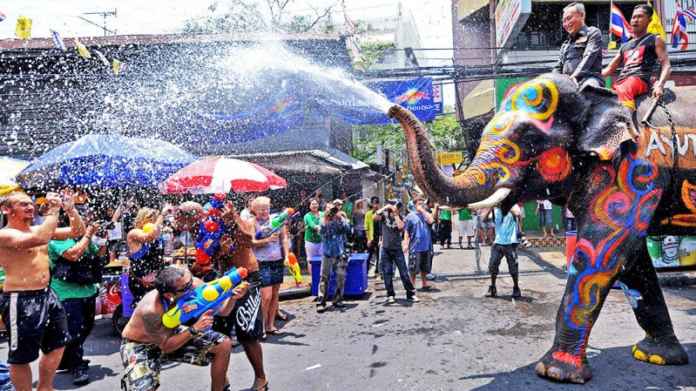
[272,272]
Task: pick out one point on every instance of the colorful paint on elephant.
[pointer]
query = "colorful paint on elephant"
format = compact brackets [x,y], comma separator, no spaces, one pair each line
[688,197]
[623,210]
[535,101]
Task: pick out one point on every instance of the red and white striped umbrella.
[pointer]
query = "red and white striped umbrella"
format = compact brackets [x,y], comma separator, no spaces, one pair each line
[217,174]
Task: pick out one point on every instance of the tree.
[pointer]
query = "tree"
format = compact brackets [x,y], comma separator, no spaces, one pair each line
[245,16]
[240,17]
[444,132]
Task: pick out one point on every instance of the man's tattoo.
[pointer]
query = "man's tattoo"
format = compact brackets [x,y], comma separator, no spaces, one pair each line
[153,324]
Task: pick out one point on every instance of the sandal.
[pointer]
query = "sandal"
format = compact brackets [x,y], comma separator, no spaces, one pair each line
[262,387]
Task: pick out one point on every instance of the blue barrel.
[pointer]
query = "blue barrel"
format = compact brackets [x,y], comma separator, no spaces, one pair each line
[356,276]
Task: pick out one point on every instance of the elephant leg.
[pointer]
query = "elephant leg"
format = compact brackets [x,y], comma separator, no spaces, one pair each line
[586,290]
[660,345]
[610,230]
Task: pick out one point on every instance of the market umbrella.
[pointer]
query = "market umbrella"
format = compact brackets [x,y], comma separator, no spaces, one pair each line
[108,161]
[216,174]
[9,168]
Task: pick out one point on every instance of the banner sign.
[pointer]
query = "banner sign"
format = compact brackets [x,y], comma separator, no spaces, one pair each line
[672,251]
[510,17]
[418,95]
[450,158]
[282,102]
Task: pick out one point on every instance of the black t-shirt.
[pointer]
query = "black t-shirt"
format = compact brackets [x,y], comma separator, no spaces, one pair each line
[391,234]
[639,58]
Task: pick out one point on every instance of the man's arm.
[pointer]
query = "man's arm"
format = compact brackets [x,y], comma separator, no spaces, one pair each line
[399,221]
[77,227]
[613,65]
[38,236]
[75,252]
[170,342]
[593,50]
[661,51]
[428,217]
[558,68]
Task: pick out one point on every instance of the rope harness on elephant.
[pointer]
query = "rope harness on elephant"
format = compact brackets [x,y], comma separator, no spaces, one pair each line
[675,156]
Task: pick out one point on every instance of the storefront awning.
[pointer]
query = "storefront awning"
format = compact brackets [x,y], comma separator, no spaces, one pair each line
[480,100]
[313,161]
[468,7]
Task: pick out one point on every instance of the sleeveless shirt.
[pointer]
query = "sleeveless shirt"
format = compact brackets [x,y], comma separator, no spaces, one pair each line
[639,58]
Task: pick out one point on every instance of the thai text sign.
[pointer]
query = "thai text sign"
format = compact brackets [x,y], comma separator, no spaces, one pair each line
[510,17]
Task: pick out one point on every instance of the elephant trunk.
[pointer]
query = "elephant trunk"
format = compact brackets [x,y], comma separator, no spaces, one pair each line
[468,187]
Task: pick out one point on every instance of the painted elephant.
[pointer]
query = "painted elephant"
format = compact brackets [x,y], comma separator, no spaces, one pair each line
[581,149]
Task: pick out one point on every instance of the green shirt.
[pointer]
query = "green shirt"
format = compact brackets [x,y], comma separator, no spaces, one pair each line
[311,222]
[64,289]
[348,208]
[464,214]
[446,214]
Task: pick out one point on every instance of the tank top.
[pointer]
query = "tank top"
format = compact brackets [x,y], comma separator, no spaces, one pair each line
[639,58]
[147,259]
[270,252]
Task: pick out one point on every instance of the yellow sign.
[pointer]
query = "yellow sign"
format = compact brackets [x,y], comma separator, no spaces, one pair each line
[23,28]
[447,158]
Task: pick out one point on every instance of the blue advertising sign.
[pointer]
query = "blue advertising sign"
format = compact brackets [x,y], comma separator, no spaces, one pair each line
[286,102]
[418,95]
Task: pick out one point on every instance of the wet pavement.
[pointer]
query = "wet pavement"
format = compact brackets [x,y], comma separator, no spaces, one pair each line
[454,339]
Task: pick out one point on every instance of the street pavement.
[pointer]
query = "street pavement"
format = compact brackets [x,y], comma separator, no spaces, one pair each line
[454,339]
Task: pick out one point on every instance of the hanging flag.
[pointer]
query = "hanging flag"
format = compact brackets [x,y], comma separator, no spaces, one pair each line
[23,29]
[655,26]
[117,66]
[58,40]
[690,13]
[680,37]
[619,25]
[82,50]
[102,57]
[2,16]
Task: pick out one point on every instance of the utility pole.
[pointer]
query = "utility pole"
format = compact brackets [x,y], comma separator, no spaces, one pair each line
[104,15]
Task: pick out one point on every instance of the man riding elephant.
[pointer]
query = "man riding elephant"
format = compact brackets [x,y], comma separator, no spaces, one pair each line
[639,58]
[579,149]
[581,54]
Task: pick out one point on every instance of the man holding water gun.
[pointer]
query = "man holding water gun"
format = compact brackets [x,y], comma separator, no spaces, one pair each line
[147,342]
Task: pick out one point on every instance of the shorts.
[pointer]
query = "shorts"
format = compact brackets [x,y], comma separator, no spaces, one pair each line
[629,89]
[34,320]
[272,272]
[546,218]
[466,228]
[142,362]
[313,250]
[246,317]
[420,261]
[509,251]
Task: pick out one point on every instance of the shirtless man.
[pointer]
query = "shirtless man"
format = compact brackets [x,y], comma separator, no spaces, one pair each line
[146,342]
[246,317]
[31,310]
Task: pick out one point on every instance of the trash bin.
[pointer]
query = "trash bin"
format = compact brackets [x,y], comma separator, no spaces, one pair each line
[356,276]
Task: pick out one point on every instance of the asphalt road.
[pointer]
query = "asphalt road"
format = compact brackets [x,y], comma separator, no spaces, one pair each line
[454,339]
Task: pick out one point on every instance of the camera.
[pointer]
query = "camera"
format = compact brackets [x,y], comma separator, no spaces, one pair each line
[333,211]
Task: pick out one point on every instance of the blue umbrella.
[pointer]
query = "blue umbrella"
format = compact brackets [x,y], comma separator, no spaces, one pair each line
[106,160]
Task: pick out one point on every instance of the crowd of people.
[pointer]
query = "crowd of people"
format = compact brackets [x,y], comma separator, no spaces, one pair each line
[54,252]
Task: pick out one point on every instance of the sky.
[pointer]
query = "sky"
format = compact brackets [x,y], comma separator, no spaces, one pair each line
[432,17]
[167,16]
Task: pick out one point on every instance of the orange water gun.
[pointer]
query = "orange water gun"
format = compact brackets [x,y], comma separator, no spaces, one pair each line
[294,268]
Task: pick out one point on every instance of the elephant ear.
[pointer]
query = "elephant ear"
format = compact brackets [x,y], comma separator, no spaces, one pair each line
[607,126]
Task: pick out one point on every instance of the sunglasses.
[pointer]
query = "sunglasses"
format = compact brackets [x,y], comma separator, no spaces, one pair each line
[186,287]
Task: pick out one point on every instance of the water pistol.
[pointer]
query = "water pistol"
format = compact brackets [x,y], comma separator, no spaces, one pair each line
[276,223]
[205,297]
[294,267]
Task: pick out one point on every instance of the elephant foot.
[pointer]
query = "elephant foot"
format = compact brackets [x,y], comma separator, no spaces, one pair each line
[660,351]
[563,367]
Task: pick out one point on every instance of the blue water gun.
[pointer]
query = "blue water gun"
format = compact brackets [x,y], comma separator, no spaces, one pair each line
[205,297]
